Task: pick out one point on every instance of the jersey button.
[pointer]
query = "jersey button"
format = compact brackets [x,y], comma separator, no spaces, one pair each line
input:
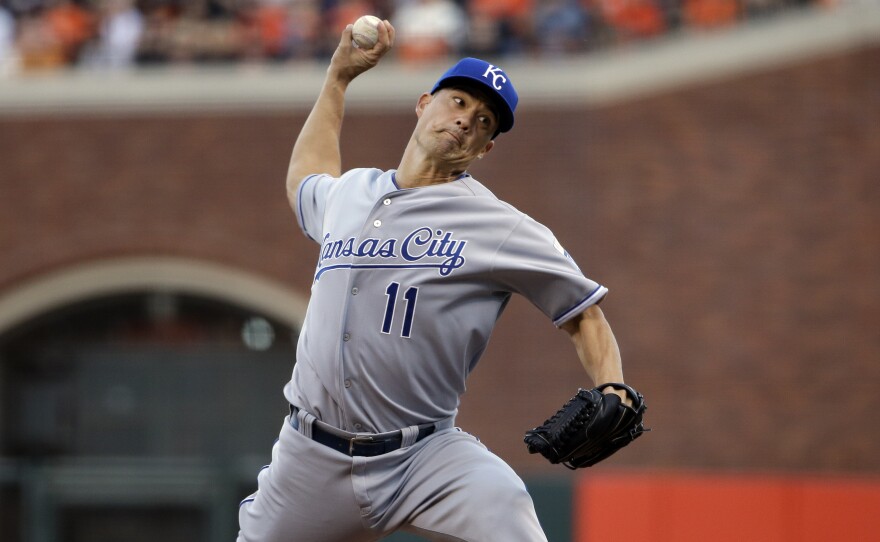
[346,337]
[347,383]
[354,291]
[358,426]
[377,223]
[387,201]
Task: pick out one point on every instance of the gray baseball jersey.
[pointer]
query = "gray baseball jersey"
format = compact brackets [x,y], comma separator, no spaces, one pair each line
[408,287]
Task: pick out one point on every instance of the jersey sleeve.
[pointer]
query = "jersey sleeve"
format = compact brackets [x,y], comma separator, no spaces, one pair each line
[532,263]
[311,201]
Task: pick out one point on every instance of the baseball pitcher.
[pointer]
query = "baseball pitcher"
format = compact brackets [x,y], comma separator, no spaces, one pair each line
[414,267]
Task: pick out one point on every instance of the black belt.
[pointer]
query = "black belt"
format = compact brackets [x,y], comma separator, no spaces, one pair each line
[365,445]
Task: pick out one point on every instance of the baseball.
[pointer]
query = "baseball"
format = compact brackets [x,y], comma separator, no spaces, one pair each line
[365,32]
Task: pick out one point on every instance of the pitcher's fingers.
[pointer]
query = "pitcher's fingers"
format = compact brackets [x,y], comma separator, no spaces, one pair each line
[386,34]
[345,39]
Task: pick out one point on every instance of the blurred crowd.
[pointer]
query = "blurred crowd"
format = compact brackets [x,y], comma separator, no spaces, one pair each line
[40,35]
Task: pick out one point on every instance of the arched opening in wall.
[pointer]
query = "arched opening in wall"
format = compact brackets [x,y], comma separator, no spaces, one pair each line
[139,414]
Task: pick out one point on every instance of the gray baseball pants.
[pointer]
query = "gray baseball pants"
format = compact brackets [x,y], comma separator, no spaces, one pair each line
[446,487]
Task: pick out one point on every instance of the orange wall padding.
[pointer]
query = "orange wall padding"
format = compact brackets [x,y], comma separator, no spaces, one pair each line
[722,508]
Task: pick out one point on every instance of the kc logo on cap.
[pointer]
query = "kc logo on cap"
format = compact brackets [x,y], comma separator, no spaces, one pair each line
[489,76]
[496,75]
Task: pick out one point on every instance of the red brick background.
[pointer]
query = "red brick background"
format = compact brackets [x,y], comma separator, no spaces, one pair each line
[737,224]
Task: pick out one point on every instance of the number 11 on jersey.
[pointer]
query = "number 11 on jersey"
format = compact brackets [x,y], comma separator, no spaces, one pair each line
[410,296]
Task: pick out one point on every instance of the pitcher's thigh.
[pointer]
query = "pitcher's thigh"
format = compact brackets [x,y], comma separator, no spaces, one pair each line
[304,494]
[462,491]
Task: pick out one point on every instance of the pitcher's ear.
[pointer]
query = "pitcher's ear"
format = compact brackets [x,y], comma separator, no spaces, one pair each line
[423,102]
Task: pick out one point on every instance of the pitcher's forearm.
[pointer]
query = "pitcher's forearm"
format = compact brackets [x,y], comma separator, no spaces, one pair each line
[317,147]
[596,346]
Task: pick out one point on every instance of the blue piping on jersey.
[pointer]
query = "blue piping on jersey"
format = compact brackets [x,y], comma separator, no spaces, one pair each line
[379,266]
[397,186]
[568,312]
[252,497]
[299,217]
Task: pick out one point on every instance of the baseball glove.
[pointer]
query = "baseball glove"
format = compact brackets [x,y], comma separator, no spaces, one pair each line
[590,427]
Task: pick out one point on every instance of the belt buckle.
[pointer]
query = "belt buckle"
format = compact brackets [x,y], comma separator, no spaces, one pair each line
[356,439]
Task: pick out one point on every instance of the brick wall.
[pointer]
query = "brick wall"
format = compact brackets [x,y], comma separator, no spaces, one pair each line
[736,224]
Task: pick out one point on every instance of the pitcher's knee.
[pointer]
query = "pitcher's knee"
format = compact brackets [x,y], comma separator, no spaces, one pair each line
[501,499]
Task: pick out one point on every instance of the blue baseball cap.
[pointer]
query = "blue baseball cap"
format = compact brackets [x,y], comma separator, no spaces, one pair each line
[488,76]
